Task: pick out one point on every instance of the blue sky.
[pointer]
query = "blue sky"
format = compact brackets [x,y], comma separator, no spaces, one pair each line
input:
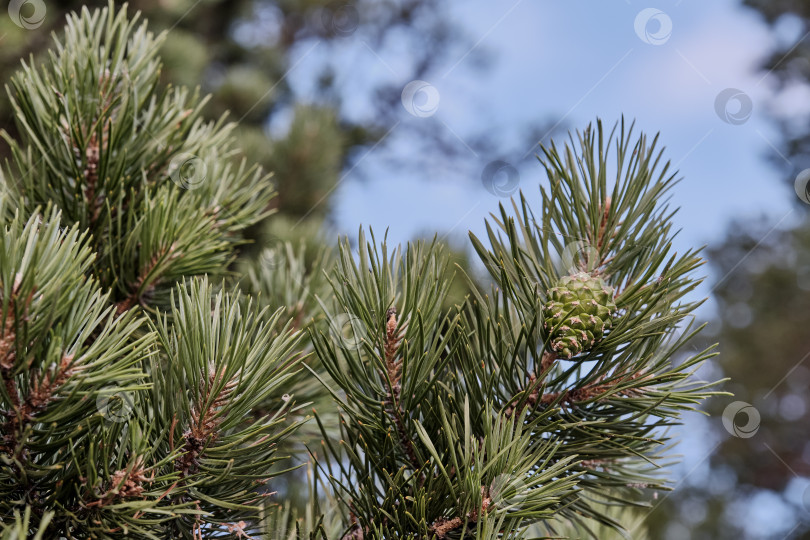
[575,61]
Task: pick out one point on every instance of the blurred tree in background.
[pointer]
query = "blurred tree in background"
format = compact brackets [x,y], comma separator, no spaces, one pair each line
[788,67]
[762,295]
[758,467]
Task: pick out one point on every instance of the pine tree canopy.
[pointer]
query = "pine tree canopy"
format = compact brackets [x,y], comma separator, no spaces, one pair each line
[149,392]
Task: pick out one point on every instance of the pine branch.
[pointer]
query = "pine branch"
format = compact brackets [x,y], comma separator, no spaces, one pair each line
[94,395]
[615,231]
[415,476]
[8,360]
[223,359]
[103,142]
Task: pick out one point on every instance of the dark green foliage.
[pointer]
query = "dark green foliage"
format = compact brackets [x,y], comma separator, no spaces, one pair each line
[64,353]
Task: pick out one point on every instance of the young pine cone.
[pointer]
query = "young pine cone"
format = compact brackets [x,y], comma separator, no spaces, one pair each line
[577,312]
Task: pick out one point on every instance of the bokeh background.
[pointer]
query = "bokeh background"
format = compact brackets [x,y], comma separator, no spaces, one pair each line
[420,117]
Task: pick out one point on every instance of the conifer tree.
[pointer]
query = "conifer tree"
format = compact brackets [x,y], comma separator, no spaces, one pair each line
[144,396]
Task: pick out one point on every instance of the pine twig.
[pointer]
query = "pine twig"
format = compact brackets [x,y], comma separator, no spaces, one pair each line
[393,381]
[443,526]
[21,409]
[92,154]
[585,393]
[204,425]
[548,359]
[42,390]
[124,484]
